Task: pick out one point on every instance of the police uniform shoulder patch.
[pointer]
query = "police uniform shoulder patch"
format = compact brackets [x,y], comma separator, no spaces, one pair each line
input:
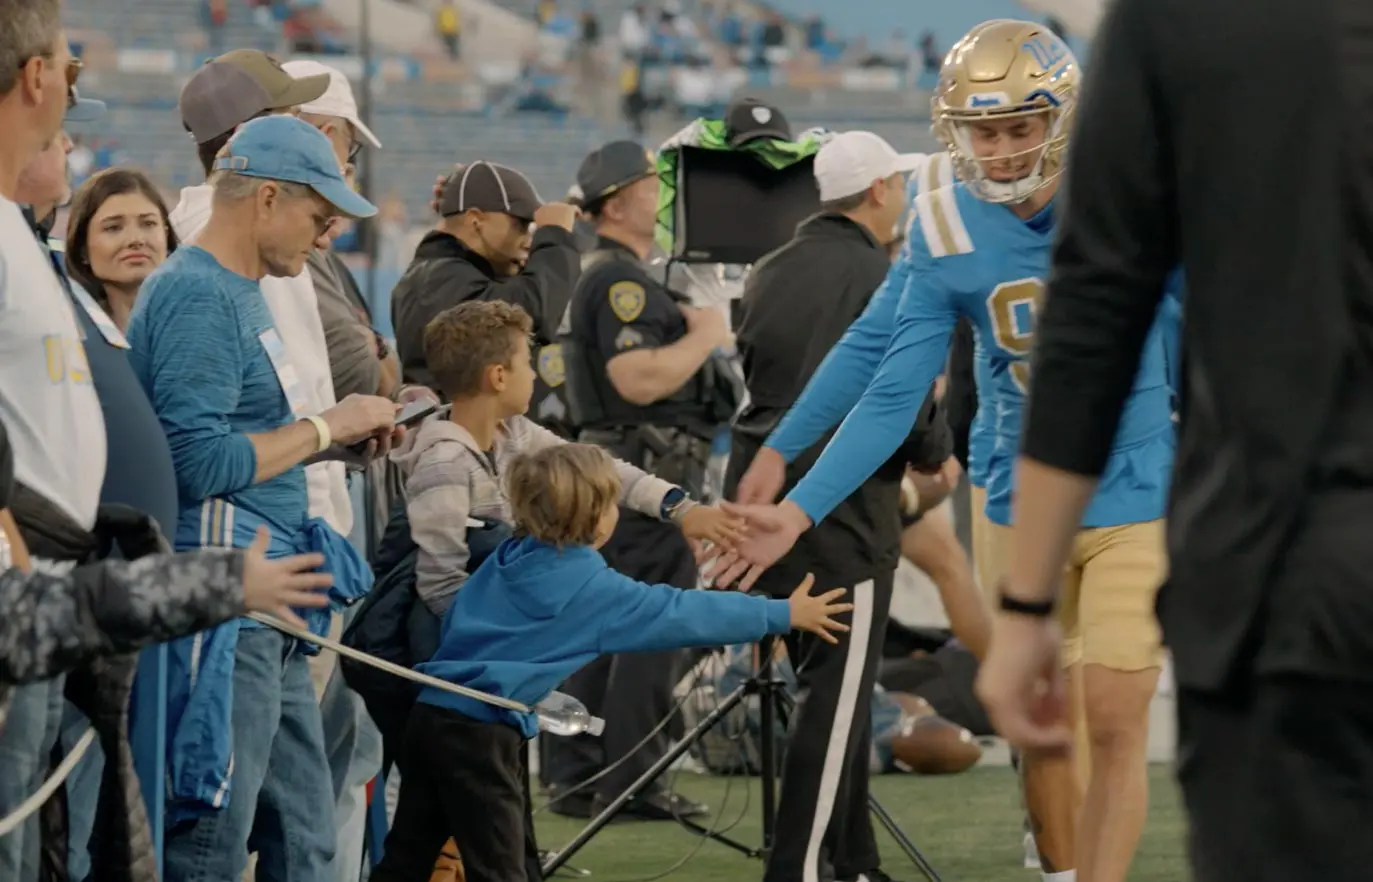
[551,367]
[627,300]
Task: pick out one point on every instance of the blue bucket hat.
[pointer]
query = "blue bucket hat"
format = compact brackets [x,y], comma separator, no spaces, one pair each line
[283,148]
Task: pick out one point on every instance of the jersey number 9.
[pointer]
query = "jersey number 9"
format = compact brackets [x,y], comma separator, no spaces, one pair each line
[1013,308]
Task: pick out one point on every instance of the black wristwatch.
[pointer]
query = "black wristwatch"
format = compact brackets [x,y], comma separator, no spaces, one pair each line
[676,503]
[1039,609]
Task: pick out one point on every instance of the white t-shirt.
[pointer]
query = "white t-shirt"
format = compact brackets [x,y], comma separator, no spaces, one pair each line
[47,398]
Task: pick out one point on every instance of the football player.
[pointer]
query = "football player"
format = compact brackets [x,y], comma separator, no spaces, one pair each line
[981,249]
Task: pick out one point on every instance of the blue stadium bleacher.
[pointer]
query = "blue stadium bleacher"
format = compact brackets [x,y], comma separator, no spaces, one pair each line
[140,54]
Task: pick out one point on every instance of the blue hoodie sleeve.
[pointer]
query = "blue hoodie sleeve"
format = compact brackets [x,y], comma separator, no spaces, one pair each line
[189,356]
[883,418]
[638,617]
[838,383]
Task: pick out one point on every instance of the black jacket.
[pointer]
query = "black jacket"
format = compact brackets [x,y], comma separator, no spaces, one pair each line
[1172,165]
[797,303]
[445,273]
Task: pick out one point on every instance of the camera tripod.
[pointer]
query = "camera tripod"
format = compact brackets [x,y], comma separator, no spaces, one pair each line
[773,700]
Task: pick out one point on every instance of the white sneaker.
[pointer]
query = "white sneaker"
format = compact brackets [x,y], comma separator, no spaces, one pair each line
[1031,853]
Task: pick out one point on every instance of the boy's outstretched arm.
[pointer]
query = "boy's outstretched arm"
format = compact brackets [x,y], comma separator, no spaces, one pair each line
[638,617]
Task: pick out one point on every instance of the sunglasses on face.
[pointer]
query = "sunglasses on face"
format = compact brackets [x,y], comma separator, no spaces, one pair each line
[73,74]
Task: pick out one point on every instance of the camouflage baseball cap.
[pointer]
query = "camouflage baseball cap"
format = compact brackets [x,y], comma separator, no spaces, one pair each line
[229,90]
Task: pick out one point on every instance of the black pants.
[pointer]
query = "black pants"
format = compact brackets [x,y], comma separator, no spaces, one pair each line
[1278,780]
[632,692]
[824,830]
[467,780]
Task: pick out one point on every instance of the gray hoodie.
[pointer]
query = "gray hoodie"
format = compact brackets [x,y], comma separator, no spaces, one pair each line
[448,478]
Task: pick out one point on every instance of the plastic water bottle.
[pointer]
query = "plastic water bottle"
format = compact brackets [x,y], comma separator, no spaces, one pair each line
[561,714]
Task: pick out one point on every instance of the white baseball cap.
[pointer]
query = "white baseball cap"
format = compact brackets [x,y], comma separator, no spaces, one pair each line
[337,100]
[850,162]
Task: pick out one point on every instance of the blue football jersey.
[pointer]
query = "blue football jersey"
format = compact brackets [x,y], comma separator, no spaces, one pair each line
[976,259]
[981,434]
[1170,320]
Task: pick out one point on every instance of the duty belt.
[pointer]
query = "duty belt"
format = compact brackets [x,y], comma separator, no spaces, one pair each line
[673,454]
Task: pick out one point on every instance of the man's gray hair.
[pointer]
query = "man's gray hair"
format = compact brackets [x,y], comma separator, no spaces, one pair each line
[233,187]
[27,28]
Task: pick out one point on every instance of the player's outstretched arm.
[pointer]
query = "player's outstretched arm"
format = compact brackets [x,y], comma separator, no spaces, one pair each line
[838,384]
[883,417]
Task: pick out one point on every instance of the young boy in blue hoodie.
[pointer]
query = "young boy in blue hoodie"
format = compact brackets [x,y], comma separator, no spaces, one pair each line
[543,605]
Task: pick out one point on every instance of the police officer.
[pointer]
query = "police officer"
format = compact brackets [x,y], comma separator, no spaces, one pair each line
[643,381]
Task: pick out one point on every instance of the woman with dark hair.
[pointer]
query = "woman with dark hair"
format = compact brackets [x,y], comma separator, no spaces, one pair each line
[118,232]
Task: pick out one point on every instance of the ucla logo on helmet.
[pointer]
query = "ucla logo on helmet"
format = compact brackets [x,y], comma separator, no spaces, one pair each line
[980,100]
[1046,51]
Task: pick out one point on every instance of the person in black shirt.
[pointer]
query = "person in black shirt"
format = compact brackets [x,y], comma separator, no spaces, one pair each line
[642,381]
[481,249]
[797,303]
[1268,608]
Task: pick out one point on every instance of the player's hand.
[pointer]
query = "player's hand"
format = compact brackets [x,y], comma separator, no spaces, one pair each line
[556,214]
[706,523]
[708,322]
[764,479]
[932,488]
[815,613]
[1021,684]
[274,586]
[773,530]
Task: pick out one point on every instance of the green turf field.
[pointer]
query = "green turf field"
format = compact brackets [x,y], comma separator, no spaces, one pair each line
[968,826]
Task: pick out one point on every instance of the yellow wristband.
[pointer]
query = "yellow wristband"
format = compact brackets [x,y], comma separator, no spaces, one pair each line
[325,437]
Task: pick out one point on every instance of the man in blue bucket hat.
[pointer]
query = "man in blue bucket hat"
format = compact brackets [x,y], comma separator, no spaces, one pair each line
[246,752]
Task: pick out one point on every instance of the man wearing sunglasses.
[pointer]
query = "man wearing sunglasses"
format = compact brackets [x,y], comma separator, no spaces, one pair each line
[47,400]
[221,96]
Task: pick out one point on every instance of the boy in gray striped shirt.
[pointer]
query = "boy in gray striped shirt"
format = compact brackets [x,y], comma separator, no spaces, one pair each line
[478,353]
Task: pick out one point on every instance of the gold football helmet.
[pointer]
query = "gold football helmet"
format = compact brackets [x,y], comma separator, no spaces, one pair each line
[1000,70]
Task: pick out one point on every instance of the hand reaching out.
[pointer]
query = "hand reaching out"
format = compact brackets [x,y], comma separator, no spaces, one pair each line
[773,530]
[764,478]
[274,586]
[706,523]
[815,612]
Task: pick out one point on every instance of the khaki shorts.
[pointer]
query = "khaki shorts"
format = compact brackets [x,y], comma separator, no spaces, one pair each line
[1106,603]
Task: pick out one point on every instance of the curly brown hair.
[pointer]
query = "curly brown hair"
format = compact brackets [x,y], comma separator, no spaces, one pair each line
[463,341]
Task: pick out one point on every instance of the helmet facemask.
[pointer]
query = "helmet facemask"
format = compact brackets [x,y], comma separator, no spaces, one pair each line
[953,127]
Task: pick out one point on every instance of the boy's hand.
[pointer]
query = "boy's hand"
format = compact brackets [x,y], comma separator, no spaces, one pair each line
[706,523]
[274,586]
[813,613]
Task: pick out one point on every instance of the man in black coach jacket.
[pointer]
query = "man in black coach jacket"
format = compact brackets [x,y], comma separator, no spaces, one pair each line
[1269,606]
[797,303]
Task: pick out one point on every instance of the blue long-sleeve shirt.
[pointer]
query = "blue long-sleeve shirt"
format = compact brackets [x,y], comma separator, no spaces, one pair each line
[532,615]
[987,265]
[199,340]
